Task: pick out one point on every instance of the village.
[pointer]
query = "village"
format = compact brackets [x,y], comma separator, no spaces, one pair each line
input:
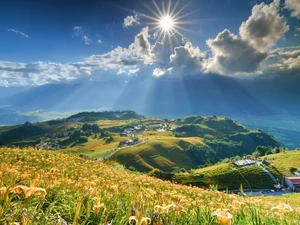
[287,184]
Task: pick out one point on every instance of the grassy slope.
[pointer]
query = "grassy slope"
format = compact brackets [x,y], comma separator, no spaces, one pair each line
[227,175]
[219,137]
[283,162]
[75,186]
[161,151]
[21,133]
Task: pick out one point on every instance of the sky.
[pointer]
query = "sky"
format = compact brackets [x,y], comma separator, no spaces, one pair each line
[62,41]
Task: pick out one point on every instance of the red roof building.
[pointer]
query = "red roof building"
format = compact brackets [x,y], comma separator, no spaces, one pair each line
[292,182]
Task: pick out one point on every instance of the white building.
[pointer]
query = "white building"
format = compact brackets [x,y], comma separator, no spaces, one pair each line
[245,162]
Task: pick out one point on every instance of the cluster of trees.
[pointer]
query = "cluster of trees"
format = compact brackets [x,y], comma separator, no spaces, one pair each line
[93,127]
[260,151]
[267,150]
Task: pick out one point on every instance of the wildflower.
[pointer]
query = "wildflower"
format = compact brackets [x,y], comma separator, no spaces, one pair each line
[3,191]
[98,207]
[143,221]
[164,209]
[223,216]
[28,191]
[18,189]
[282,209]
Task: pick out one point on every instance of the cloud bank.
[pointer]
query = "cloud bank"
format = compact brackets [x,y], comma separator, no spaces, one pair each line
[248,53]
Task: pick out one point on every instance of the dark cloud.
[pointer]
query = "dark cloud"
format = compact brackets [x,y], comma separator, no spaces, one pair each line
[232,55]
[187,60]
[265,26]
[142,46]
[165,48]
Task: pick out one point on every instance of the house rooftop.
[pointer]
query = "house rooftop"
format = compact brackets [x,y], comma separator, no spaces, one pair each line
[294,180]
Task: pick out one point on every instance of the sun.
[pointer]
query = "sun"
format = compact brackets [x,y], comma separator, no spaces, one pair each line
[166,23]
[167,18]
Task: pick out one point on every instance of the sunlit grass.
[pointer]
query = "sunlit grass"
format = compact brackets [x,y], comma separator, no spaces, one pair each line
[66,189]
[284,161]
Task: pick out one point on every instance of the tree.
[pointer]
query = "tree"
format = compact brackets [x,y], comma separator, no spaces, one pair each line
[86,127]
[109,140]
[263,150]
[95,128]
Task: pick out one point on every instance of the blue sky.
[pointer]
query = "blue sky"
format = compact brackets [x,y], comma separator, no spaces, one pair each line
[55,41]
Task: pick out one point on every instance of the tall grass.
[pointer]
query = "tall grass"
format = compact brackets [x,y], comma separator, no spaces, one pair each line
[64,189]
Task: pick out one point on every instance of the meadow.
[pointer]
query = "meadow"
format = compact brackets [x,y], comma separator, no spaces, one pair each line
[283,163]
[48,187]
[227,175]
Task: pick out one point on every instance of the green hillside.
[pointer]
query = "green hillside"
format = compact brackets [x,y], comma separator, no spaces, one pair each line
[163,153]
[141,143]
[283,164]
[220,138]
[227,175]
[107,115]
[65,132]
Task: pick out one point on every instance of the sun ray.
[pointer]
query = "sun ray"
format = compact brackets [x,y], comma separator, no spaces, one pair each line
[185,29]
[154,28]
[156,6]
[163,7]
[174,8]
[185,15]
[152,11]
[160,34]
[169,8]
[186,22]
[183,8]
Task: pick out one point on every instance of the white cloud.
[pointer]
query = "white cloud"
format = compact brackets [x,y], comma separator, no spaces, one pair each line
[121,71]
[86,40]
[18,32]
[79,33]
[265,26]
[294,7]
[142,46]
[232,55]
[133,71]
[157,72]
[174,55]
[119,61]
[130,21]
[37,73]
[283,59]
